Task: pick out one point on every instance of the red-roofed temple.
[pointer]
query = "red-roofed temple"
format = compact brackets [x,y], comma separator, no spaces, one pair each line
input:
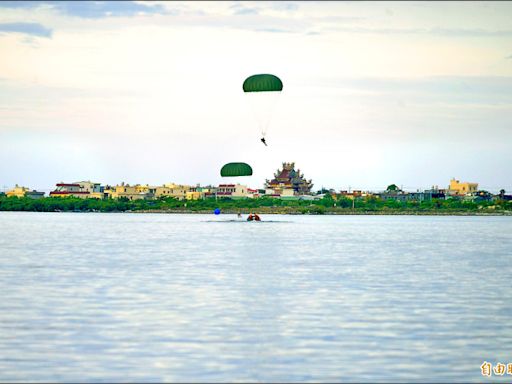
[289,178]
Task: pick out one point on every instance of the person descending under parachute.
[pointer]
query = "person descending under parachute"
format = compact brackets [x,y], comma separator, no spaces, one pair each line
[238,170]
[263,91]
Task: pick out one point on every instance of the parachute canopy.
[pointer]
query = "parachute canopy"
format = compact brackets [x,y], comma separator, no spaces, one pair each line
[236,169]
[263,83]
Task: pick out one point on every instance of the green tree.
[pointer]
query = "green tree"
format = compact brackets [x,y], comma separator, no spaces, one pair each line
[327,200]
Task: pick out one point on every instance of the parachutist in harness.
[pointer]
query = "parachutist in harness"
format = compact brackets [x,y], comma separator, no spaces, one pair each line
[262,91]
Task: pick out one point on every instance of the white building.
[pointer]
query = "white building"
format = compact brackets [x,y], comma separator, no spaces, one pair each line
[232,190]
[81,189]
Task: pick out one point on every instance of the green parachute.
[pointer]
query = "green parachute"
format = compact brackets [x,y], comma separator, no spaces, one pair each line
[236,169]
[262,92]
[263,83]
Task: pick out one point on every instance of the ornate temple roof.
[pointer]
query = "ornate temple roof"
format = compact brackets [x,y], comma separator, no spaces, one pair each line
[288,177]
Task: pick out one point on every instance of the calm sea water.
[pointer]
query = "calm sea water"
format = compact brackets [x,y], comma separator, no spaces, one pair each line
[159,297]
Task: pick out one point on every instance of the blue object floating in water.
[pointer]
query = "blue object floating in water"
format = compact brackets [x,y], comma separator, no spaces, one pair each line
[217,211]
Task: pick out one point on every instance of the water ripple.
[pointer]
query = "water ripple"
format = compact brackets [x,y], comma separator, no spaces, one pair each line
[152,298]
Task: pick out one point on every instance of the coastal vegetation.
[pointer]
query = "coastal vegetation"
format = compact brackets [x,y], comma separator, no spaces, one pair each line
[264,205]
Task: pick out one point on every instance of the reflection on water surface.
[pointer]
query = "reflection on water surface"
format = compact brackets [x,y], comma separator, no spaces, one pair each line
[143,297]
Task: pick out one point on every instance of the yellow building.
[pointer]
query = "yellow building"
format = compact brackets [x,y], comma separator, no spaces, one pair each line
[136,192]
[352,195]
[17,191]
[131,192]
[145,189]
[458,188]
[194,195]
[177,191]
[24,192]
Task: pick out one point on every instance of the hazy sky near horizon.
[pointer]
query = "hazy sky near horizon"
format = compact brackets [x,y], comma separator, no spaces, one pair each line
[375,93]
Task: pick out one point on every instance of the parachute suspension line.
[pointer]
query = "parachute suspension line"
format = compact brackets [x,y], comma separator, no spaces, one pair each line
[262,92]
[274,99]
[262,105]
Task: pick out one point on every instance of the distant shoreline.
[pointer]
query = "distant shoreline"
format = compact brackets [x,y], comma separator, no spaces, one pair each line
[262,206]
[297,213]
[338,213]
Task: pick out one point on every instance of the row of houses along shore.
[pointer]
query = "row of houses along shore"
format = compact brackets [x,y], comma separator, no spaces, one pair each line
[287,183]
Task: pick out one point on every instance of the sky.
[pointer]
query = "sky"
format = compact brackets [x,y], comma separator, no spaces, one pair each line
[374,93]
